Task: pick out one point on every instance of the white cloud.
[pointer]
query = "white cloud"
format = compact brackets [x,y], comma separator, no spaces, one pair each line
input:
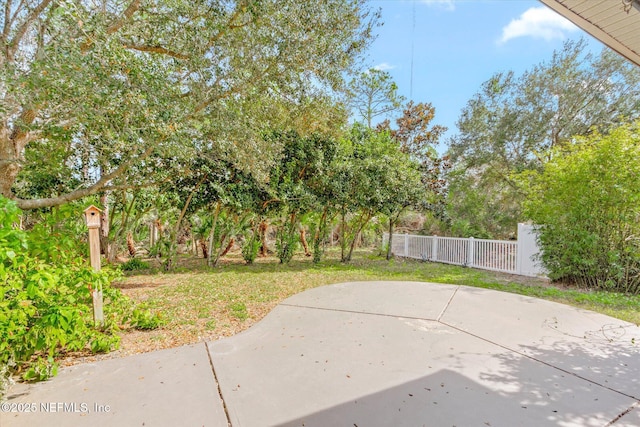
[538,22]
[384,66]
[442,4]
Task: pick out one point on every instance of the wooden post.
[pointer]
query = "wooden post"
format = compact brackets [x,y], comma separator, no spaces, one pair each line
[92,215]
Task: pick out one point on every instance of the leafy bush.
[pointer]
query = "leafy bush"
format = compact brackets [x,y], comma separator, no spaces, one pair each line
[134,264]
[144,319]
[587,201]
[46,304]
[251,247]
[286,243]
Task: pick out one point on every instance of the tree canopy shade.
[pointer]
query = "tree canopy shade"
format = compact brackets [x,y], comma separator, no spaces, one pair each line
[103,94]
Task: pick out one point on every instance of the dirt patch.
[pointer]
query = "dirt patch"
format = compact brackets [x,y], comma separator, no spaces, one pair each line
[136,285]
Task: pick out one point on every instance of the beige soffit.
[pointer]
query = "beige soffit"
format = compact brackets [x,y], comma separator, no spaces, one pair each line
[615,23]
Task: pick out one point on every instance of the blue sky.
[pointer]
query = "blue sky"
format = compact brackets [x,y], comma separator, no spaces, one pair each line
[459,44]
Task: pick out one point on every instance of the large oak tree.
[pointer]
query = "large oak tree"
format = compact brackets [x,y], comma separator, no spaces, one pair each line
[98,95]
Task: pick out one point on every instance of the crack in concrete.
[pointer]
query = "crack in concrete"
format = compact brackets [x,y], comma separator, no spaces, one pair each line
[215,377]
[448,303]
[629,409]
[477,337]
[340,310]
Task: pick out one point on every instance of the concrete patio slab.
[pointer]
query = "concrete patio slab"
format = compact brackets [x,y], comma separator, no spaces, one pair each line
[588,344]
[173,387]
[324,367]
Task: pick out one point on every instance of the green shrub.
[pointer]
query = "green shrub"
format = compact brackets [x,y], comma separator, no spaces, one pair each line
[286,243]
[144,319]
[45,297]
[251,247]
[134,264]
[587,202]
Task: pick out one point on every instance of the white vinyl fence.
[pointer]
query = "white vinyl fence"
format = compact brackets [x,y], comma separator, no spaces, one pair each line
[516,257]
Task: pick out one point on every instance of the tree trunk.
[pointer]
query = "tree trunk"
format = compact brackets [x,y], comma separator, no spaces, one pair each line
[12,145]
[262,229]
[173,243]
[8,170]
[343,237]
[228,248]
[353,242]
[159,230]
[212,233]
[319,236]
[153,231]
[119,230]
[131,246]
[303,239]
[205,248]
[106,247]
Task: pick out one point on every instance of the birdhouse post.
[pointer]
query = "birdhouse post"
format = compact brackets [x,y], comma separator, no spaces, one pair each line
[92,216]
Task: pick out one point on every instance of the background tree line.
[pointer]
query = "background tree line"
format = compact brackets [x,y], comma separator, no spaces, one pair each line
[519,123]
[557,145]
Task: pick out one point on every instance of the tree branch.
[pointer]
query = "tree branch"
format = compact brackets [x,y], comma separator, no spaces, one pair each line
[22,29]
[133,7]
[157,49]
[7,21]
[19,136]
[83,192]
[230,26]
[10,161]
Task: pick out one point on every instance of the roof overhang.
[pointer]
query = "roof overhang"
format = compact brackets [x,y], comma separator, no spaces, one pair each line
[615,23]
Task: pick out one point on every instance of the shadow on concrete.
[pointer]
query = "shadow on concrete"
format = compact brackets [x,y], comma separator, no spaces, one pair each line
[444,398]
[615,368]
[570,384]
[449,399]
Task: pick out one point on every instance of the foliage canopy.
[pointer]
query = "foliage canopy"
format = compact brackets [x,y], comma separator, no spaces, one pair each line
[104,94]
[587,200]
[516,123]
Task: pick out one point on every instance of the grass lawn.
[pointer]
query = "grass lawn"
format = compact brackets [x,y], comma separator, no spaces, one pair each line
[198,303]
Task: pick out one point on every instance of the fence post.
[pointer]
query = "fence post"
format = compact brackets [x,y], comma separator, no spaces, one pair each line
[406,245]
[434,248]
[519,251]
[470,252]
